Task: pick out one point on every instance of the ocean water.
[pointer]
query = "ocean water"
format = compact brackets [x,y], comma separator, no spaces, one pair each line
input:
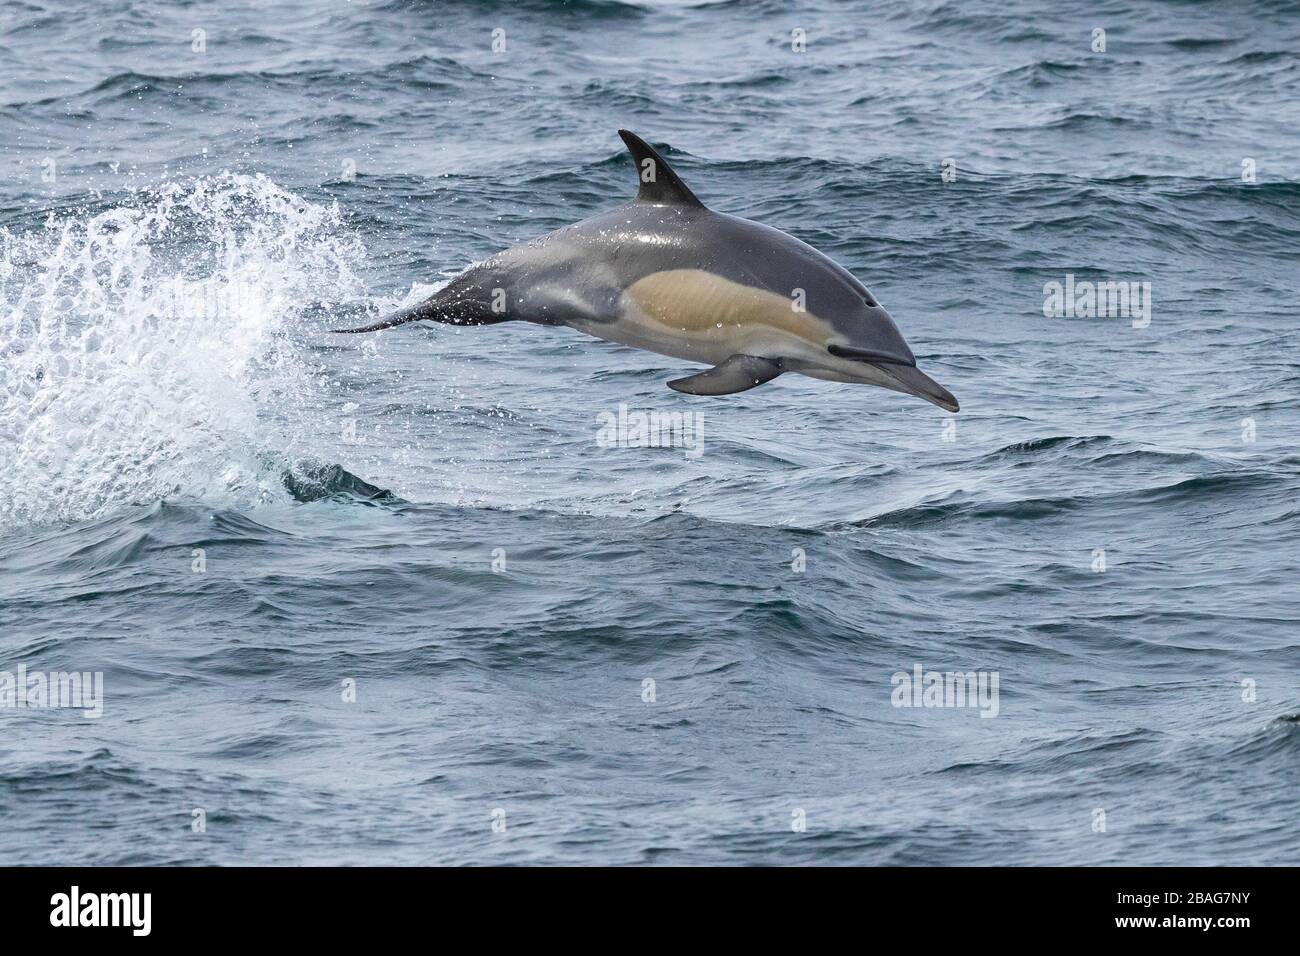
[387,599]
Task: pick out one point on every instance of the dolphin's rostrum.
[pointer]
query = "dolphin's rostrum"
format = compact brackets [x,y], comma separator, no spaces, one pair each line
[666,274]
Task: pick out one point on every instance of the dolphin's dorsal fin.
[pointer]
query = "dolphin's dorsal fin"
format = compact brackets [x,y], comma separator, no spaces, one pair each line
[659,184]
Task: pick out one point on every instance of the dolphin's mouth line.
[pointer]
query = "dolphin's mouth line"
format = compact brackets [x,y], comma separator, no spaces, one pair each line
[868,355]
[910,378]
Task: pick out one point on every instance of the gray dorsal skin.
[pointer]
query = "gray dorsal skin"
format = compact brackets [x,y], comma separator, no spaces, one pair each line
[666,274]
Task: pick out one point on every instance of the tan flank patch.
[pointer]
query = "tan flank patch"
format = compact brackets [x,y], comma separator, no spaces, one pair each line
[703,305]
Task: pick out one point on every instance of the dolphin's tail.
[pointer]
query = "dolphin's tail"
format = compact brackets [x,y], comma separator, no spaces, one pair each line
[450,306]
[423,310]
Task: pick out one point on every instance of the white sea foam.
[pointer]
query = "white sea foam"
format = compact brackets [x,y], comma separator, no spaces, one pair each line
[146,350]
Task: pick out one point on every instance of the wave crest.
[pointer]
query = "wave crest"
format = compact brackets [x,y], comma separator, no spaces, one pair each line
[146,348]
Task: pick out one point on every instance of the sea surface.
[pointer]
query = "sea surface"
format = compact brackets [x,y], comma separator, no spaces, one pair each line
[388,599]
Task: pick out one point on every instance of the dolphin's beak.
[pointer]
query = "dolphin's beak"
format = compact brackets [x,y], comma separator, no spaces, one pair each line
[915,382]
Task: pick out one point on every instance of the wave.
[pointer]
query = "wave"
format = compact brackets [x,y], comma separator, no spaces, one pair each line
[423,72]
[569,9]
[317,483]
[1091,451]
[1279,739]
[146,349]
[964,506]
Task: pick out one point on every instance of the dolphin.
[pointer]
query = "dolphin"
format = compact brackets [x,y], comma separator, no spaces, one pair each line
[666,274]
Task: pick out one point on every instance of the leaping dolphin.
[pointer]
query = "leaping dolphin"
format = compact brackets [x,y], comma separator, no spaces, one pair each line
[666,274]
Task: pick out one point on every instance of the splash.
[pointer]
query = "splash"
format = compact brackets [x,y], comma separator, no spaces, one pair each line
[147,350]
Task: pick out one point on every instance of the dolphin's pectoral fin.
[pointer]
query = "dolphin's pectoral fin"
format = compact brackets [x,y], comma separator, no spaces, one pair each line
[736,374]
